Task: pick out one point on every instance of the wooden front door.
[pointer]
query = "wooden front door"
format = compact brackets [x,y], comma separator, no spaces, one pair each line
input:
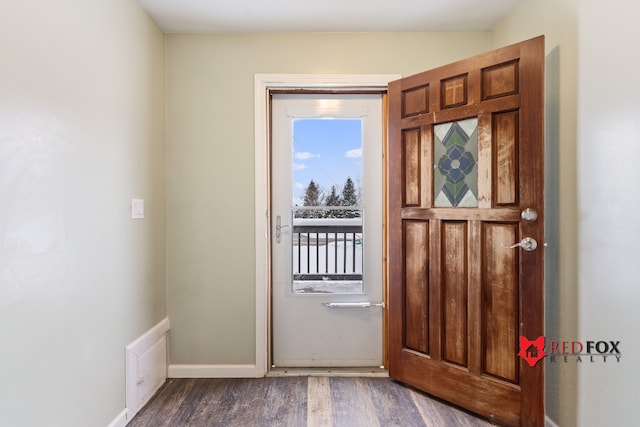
[466,183]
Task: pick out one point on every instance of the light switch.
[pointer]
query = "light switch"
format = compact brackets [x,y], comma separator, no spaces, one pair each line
[137,208]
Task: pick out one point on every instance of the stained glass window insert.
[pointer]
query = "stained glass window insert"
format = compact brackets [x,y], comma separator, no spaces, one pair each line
[455,177]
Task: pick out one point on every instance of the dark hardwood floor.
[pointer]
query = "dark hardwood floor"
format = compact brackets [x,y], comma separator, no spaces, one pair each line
[313,401]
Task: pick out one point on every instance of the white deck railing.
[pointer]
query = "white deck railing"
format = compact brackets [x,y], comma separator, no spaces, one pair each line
[327,249]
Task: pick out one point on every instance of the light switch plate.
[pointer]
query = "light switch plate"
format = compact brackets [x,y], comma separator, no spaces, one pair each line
[137,208]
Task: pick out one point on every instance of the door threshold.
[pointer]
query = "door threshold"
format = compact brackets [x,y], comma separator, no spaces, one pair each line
[328,372]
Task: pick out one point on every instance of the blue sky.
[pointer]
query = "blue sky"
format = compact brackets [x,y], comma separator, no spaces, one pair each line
[327,151]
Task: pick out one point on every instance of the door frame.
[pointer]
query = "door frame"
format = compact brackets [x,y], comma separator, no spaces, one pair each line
[263,83]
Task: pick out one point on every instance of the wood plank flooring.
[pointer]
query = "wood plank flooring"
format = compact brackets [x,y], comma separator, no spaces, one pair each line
[313,401]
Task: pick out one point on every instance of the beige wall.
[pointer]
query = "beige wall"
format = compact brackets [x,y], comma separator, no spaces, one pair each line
[593,143]
[608,205]
[210,150]
[81,133]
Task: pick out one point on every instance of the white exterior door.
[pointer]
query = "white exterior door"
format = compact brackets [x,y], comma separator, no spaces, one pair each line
[327,235]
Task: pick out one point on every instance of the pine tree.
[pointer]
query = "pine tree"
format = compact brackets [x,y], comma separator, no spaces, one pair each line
[349,194]
[312,197]
[349,198]
[333,200]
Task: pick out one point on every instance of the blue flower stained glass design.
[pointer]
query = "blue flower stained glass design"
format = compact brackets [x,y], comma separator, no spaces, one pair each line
[455,175]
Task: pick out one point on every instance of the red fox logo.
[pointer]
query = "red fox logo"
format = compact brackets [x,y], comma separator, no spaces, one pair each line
[532,351]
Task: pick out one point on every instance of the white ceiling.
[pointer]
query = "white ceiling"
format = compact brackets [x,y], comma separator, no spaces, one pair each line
[285,16]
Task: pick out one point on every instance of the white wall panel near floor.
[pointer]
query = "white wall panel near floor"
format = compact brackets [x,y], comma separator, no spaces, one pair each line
[146,367]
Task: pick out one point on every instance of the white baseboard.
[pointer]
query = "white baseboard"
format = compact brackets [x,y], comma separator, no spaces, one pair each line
[120,420]
[213,371]
[146,367]
[548,422]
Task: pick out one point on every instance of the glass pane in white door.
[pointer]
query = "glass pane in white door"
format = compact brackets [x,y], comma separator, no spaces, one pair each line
[327,234]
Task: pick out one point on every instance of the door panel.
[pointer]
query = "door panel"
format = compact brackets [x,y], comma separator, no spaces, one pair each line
[465,159]
[500,301]
[417,299]
[505,147]
[454,292]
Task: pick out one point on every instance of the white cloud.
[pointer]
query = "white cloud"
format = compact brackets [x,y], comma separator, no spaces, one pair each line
[355,153]
[299,166]
[299,185]
[305,155]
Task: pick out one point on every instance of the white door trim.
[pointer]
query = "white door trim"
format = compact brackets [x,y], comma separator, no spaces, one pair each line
[262,84]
